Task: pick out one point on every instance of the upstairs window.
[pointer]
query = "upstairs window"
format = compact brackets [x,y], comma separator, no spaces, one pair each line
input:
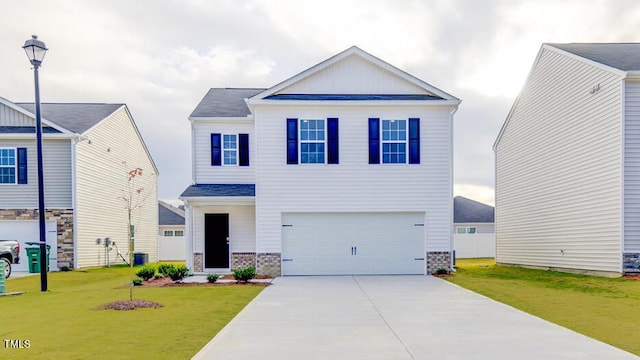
[466,229]
[8,162]
[394,141]
[230,149]
[312,141]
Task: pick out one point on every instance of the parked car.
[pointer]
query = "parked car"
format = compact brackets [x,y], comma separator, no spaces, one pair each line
[10,254]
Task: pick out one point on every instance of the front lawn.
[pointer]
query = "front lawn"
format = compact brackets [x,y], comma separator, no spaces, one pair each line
[601,308]
[64,322]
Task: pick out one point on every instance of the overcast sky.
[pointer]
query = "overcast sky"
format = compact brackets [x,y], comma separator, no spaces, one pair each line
[160,57]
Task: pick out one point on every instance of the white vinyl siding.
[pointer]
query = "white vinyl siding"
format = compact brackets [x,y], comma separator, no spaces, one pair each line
[558,169]
[632,167]
[204,173]
[11,117]
[102,180]
[353,75]
[242,230]
[354,185]
[56,157]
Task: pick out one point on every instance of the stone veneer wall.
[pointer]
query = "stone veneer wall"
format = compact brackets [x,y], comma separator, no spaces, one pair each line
[198,265]
[243,260]
[438,259]
[268,264]
[630,262]
[64,233]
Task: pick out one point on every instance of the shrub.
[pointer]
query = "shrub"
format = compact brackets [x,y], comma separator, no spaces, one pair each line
[65,268]
[146,272]
[442,271]
[244,274]
[213,278]
[158,276]
[137,282]
[177,273]
[163,268]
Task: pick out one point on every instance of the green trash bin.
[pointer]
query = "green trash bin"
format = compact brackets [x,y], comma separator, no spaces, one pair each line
[33,256]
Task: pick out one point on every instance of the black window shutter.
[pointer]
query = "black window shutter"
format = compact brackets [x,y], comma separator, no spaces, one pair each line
[243,147]
[292,141]
[22,165]
[216,149]
[414,141]
[333,147]
[374,141]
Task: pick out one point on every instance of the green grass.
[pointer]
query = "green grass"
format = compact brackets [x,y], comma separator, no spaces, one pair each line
[602,308]
[64,322]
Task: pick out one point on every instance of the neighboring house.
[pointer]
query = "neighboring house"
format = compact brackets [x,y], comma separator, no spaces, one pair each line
[171,240]
[345,168]
[84,147]
[568,162]
[473,229]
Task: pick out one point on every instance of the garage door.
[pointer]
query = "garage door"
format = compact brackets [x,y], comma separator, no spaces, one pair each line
[352,243]
[29,231]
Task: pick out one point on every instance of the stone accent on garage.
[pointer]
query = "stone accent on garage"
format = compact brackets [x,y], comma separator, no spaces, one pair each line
[64,221]
[242,260]
[198,265]
[268,264]
[437,260]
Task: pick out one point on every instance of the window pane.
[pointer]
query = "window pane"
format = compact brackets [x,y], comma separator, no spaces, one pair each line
[461,230]
[179,233]
[471,230]
[168,233]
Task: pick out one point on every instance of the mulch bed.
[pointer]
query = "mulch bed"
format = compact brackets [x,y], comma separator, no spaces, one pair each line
[165,281]
[632,277]
[130,305]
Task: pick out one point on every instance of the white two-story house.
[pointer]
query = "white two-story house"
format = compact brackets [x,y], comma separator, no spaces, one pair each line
[345,168]
[88,151]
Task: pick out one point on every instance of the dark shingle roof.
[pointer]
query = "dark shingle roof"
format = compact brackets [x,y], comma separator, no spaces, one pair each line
[26,130]
[352,97]
[216,190]
[169,215]
[75,117]
[622,56]
[225,103]
[470,211]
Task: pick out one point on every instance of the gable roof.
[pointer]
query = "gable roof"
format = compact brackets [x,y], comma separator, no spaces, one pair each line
[227,102]
[169,215]
[354,50]
[471,211]
[75,117]
[622,56]
[219,190]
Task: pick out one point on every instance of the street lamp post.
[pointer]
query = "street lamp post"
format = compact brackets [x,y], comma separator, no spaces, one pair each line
[36,50]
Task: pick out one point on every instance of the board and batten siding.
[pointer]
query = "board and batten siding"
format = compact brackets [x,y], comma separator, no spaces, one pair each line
[353,75]
[632,167]
[558,169]
[102,179]
[354,185]
[12,117]
[242,229]
[204,172]
[56,158]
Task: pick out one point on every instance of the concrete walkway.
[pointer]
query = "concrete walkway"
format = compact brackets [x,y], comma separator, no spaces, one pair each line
[392,317]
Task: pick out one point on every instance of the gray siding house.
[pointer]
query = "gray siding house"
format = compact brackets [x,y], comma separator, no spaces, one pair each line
[568,162]
[88,150]
[473,229]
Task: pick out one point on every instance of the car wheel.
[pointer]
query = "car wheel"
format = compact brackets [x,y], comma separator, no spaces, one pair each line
[7,268]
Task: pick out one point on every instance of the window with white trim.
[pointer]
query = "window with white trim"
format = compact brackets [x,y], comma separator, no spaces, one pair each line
[178,233]
[394,141]
[230,149]
[312,141]
[168,233]
[466,229]
[8,166]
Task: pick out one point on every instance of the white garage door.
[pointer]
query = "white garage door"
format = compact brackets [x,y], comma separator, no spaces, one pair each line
[352,243]
[29,231]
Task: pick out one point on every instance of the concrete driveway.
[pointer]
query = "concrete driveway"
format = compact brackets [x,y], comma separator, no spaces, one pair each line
[391,317]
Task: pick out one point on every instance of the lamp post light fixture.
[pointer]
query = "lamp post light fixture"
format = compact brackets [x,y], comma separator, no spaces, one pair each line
[36,50]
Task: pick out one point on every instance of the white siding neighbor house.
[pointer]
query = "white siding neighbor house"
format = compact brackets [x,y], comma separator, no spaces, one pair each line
[171,239]
[568,162]
[88,151]
[345,168]
[473,229]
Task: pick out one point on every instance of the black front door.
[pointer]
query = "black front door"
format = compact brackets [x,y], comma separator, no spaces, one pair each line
[216,241]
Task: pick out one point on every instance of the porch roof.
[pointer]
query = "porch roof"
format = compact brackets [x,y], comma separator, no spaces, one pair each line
[219,190]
